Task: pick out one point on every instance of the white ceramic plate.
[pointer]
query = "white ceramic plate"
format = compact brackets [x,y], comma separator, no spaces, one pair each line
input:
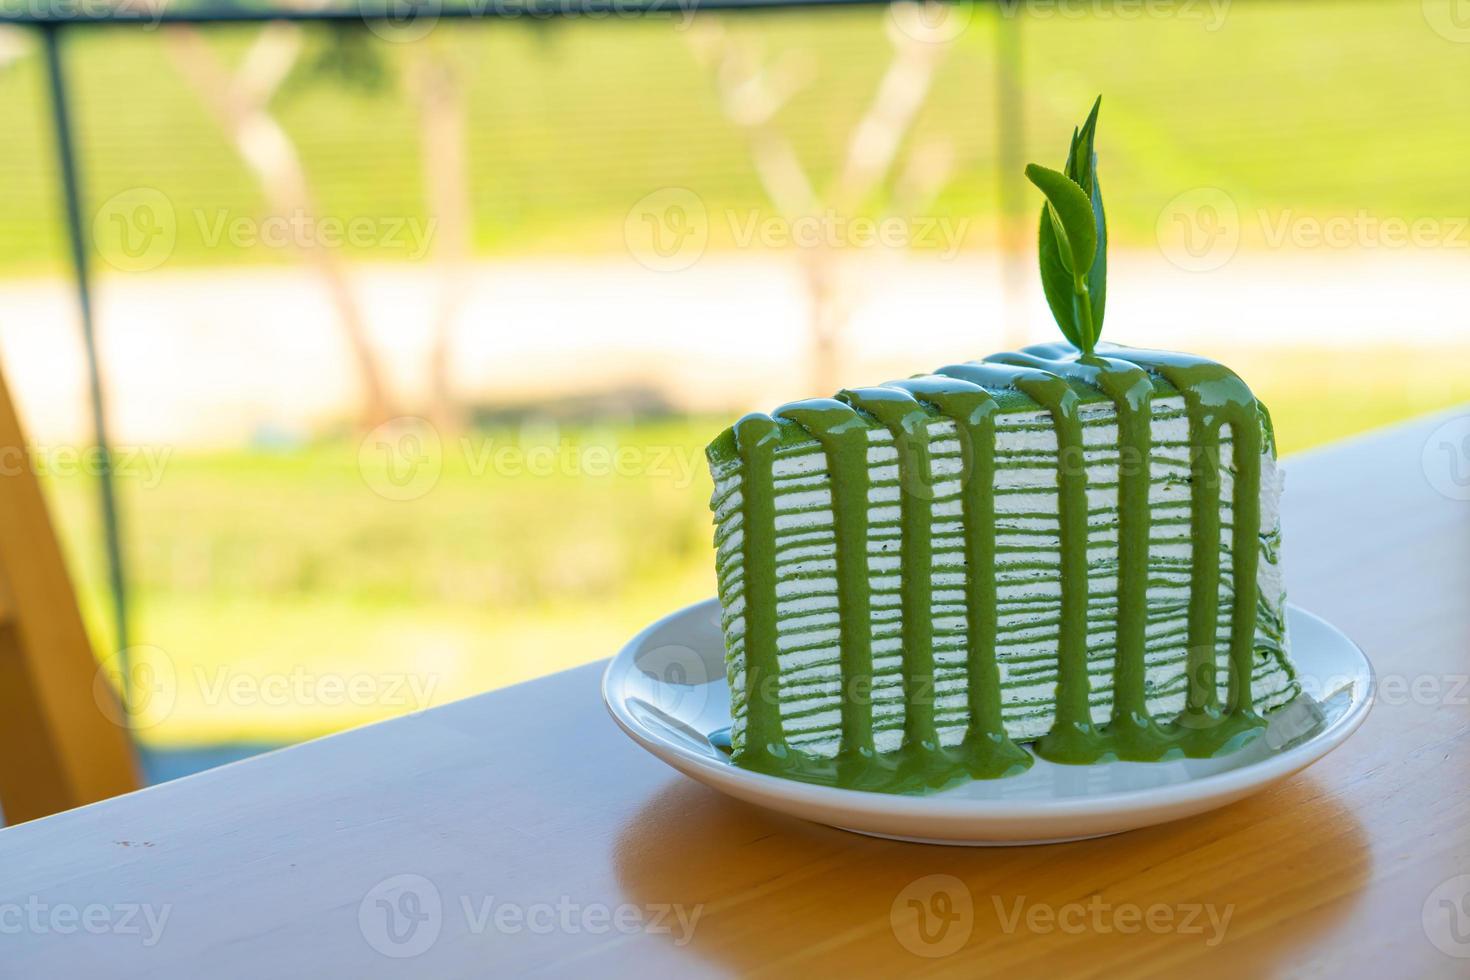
[667,690]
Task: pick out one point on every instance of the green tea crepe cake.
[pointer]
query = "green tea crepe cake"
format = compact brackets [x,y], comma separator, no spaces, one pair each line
[1074,546]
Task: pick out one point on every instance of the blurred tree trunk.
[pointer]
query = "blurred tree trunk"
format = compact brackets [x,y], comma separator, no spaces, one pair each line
[1011,159]
[240,102]
[751,94]
[447,190]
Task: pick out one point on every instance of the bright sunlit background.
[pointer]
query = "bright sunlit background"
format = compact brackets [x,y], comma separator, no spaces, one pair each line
[413,335]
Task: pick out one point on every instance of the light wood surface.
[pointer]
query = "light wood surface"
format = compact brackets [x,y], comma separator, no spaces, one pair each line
[530,799]
[62,743]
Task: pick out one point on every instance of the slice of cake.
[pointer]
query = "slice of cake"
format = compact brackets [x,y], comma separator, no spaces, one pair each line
[1074,546]
[1025,548]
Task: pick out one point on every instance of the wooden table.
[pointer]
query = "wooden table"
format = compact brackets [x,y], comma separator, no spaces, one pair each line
[520,831]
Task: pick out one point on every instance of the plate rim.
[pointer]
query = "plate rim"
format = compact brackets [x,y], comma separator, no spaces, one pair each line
[1116,803]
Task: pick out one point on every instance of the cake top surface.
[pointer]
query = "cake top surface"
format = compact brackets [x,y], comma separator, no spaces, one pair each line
[1023,381]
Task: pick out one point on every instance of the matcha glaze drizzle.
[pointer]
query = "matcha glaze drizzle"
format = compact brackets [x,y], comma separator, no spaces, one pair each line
[1060,380]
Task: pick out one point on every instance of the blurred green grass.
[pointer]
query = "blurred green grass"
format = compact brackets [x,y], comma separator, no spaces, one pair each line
[1320,108]
[255,564]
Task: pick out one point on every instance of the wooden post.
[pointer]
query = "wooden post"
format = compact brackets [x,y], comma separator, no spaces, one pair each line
[63,740]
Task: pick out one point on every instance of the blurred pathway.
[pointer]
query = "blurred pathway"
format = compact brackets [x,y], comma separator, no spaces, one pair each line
[222,356]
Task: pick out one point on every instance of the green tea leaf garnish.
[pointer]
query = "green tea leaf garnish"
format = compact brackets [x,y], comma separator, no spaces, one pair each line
[1073,239]
[1069,213]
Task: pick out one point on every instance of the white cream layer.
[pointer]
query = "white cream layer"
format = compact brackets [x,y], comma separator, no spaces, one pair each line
[1028,586]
